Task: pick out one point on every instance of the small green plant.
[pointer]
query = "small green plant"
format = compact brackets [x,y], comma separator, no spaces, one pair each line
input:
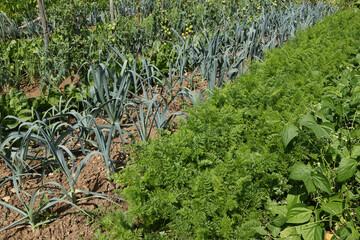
[30,214]
[325,196]
[46,215]
[218,176]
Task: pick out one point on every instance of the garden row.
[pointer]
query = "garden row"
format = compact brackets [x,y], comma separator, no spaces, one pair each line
[224,173]
[209,58]
[60,134]
[78,31]
[124,99]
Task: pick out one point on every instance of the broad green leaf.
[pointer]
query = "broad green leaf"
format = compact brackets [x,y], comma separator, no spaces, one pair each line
[339,109]
[299,228]
[288,133]
[289,233]
[298,215]
[295,196]
[355,151]
[274,230]
[54,96]
[321,182]
[319,130]
[344,232]
[344,153]
[299,171]
[348,232]
[281,210]
[25,114]
[356,90]
[357,211]
[357,176]
[292,200]
[334,208]
[354,233]
[309,184]
[347,169]
[308,121]
[13,92]
[280,220]
[336,198]
[261,231]
[313,232]
[15,104]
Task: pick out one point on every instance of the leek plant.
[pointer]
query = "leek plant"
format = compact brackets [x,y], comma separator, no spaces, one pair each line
[163,118]
[143,120]
[84,123]
[109,92]
[56,141]
[104,141]
[30,213]
[194,97]
[223,55]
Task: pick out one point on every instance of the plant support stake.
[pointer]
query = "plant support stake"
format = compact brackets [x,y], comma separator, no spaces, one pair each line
[112,11]
[43,22]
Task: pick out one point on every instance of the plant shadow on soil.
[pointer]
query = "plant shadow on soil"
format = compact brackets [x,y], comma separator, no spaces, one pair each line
[71,223]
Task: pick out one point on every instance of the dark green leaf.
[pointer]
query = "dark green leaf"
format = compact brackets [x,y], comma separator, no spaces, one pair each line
[274,230]
[355,151]
[298,215]
[346,169]
[319,130]
[261,231]
[313,232]
[308,121]
[299,171]
[25,114]
[288,133]
[322,182]
[309,184]
[334,208]
[280,220]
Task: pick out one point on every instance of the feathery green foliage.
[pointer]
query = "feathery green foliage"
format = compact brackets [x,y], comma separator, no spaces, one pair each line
[325,194]
[213,178]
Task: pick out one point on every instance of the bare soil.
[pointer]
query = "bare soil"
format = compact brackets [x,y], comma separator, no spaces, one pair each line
[71,224]
[32,89]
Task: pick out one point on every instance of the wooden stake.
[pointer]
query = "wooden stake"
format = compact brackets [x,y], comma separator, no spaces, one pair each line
[44,24]
[112,11]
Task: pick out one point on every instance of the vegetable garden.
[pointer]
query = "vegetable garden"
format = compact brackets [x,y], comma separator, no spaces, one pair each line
[185,119]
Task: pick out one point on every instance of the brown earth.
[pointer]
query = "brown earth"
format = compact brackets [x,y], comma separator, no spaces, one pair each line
[72,224]
[32,89]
